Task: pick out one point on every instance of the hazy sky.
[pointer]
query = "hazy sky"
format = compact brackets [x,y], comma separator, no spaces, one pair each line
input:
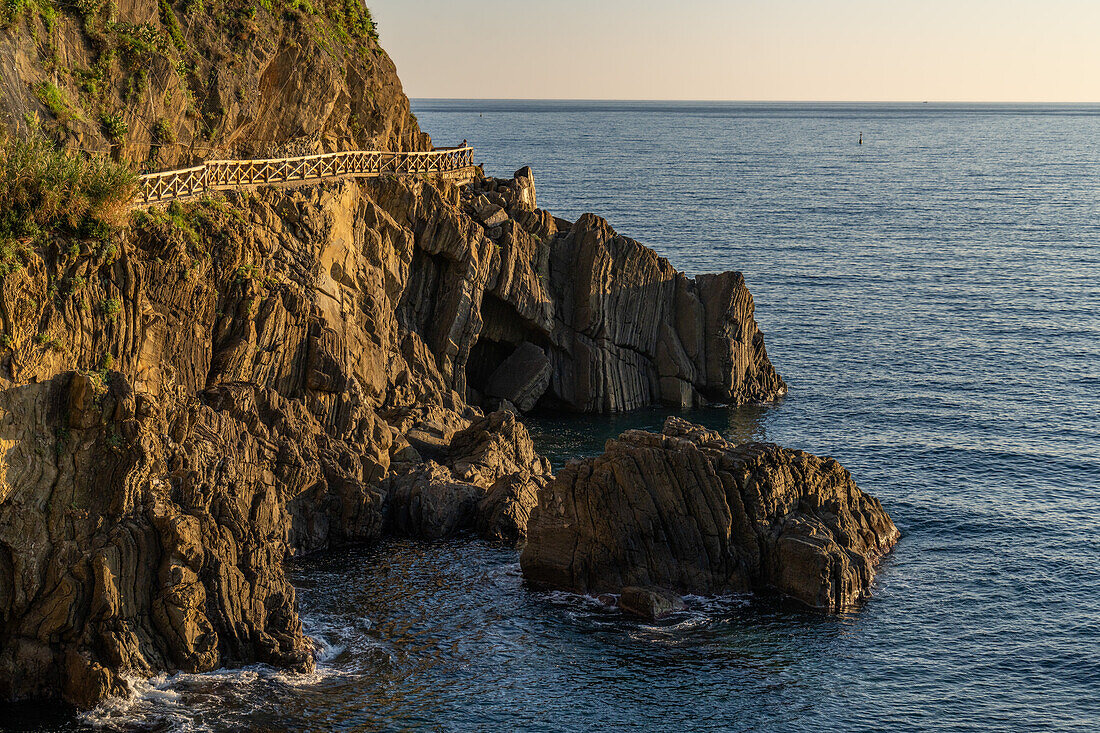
[851,50]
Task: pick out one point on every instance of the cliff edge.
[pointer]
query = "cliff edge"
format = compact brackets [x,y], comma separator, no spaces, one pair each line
[197,392]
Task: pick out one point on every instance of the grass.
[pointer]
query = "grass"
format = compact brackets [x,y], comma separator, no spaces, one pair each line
[44,189]
[57,101]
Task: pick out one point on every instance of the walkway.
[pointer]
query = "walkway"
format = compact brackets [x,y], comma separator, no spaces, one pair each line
[452,163]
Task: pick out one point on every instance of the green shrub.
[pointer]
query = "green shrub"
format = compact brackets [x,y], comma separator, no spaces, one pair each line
[169,19]
[114,127]
[110,307]
[57,101]
[11,11]
[45,189]
[163,133]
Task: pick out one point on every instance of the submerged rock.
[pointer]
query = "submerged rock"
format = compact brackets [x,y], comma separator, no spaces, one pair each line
[650,603]
[689,511]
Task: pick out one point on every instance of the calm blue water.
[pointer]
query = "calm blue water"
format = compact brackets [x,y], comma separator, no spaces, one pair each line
[932,299]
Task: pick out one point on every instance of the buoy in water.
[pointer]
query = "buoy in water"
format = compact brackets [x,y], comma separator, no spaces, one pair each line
[861,138]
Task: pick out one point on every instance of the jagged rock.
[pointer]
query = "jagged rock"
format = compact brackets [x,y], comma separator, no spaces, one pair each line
[125,549]
[525,186]
[492,215]
[494,446]
[623,329]
[430,504]
[490,480]
[650,603]
[505,509]
[521,378]
[687,510]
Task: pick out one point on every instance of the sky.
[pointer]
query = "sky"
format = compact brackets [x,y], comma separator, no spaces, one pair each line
[792,50]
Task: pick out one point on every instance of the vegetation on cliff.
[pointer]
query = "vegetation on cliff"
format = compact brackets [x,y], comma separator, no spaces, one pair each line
[163,82]
[45,190]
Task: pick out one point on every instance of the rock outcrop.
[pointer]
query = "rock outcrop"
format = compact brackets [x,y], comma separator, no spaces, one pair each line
[489,482]
[687,511]
[579,318]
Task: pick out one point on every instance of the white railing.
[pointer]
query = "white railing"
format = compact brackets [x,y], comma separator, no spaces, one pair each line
[222,174]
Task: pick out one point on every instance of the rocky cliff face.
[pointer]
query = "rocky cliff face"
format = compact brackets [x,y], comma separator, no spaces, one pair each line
[233,381]
[616,326]
[230,382]
[164,84]
[138,537]
[687,511]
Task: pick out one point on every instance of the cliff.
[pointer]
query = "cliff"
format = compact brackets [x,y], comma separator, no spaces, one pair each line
[163,84]
[235,380]
[190,398]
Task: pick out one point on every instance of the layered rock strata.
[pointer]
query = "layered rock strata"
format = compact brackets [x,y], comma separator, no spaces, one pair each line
[244,379]
[617,326]
[688,511]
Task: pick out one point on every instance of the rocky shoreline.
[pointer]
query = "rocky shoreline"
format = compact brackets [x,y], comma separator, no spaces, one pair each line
[190,400]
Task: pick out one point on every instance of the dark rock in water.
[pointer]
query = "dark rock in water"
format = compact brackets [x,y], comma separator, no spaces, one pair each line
[490,482]
[430,504]
[521,378]
[690,511]
[504,511]
[622,328]
[650,603]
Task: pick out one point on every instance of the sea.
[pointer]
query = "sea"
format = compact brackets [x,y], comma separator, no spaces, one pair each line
[932,298]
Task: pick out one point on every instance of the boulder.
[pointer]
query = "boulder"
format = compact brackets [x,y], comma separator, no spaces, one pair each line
[494,446]
[490,481]
[504,511]
[650,603]
[428,503]
[521,378]
[689,511]
[492,215]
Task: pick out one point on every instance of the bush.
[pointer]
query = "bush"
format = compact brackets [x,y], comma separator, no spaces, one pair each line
[114,127]
[45,189]
[57,101]
[11,11]
[162,132]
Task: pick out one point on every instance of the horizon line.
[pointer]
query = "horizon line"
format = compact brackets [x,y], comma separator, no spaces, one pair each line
[753,101]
